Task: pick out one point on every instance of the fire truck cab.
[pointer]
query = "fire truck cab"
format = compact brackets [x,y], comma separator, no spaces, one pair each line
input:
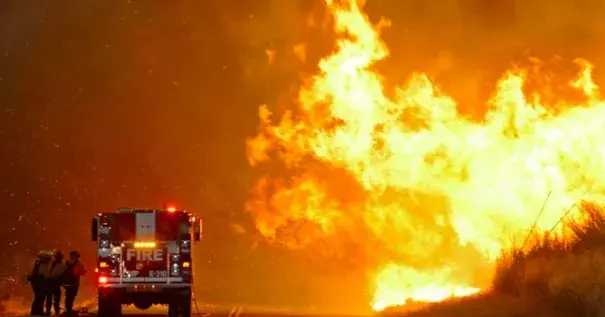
[145,258]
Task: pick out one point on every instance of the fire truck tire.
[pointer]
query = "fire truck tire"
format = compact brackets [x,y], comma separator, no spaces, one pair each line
[185,305]
[185,309]
[173,310]
[109,308]
[180,306]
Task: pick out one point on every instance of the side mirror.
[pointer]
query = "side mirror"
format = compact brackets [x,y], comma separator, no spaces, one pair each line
[94,229]
[197,230]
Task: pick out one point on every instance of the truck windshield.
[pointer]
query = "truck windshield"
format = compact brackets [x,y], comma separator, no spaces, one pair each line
[171,226]
[123,227]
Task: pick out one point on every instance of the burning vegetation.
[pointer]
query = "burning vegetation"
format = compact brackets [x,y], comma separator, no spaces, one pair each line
[552,275]
[426,197]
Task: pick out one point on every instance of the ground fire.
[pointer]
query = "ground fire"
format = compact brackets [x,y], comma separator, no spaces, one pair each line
[434,197]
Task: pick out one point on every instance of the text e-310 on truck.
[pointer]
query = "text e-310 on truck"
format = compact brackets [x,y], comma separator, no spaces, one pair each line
[144,258]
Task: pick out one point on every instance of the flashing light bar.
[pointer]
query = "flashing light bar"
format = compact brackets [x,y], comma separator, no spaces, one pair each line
[170,208]
[145,244]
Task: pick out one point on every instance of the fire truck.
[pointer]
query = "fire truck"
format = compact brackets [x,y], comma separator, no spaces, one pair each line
[144,259]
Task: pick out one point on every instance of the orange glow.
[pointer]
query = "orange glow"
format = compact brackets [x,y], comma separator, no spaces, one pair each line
[428,197]
[391,291]
[186,264]
[102,279]
[145,244]
[171,209]
[103,264]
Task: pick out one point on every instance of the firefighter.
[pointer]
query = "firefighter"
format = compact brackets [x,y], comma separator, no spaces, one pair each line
[74,269]
[37,279]
[53,283]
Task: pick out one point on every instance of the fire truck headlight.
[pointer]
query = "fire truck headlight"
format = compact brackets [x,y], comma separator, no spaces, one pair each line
[114,272]
[175,258]
[104,244]
[175,266]
[175,272]
[145,244]
[185,243]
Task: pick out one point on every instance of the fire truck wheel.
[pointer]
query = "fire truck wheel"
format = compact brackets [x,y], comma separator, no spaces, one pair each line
[186,308]
[185,304]
[108,308]
[173,310]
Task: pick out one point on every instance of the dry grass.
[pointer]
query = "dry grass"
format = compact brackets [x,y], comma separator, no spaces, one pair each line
[550,277]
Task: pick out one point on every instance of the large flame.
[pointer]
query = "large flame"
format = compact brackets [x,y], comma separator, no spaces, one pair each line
[430,197]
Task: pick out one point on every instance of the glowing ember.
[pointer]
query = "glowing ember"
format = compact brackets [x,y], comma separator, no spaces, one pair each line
[430,196]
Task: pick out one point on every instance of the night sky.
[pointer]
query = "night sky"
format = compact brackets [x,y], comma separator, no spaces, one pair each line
[109,104]
[106,104]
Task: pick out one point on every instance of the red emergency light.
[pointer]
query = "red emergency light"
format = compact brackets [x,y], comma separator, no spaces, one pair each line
[170,208]
[102,280]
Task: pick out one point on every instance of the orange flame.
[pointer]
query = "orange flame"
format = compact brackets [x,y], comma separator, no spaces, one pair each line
[433,197]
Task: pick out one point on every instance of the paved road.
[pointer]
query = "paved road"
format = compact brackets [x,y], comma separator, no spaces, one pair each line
[238,311]
[228,312]
[162,311]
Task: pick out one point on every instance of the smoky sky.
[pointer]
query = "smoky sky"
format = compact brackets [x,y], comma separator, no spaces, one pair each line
[106,104]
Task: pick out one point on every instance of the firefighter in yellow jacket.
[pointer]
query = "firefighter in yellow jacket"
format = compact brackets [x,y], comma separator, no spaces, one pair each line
[37,279]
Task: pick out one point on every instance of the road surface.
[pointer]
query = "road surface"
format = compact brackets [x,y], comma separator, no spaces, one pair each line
[237,311]
[213,311]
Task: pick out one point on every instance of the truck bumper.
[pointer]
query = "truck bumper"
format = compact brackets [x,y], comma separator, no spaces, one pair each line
[155,293]
[144,287]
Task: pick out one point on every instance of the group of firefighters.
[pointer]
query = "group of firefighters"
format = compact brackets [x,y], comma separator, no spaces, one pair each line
[49,274]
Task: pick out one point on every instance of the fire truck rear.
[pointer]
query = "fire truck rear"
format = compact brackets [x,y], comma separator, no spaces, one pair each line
[144,258]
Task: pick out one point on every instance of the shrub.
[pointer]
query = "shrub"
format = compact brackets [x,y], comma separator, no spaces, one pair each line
[566,273]
[551,275]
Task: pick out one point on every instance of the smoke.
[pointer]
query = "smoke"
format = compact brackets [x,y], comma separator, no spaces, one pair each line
[464,44]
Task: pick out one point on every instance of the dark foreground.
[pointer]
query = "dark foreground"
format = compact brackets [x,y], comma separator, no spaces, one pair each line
[231,312]
[226,312]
